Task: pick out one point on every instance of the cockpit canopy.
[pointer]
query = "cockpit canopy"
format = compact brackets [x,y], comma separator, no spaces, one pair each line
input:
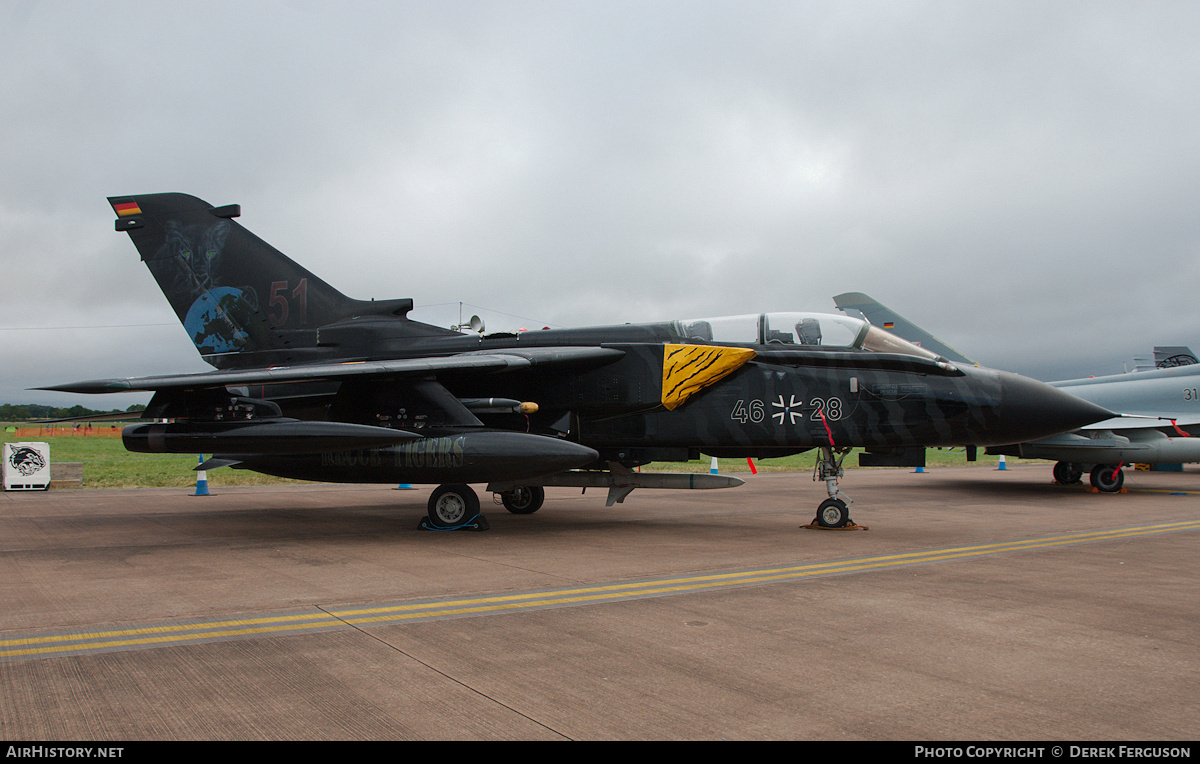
[795,330]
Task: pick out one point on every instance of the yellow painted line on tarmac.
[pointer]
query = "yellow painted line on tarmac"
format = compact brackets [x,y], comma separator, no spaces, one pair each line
[158,635]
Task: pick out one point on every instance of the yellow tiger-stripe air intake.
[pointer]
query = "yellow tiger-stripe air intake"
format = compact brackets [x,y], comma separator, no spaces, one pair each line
[688,369]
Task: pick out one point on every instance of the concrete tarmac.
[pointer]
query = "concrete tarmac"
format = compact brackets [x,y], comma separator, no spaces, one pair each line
[980,605]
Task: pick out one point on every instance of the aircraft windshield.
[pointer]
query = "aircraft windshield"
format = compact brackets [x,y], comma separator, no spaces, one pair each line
[798,329]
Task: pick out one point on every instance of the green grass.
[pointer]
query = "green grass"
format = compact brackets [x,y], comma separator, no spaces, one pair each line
[106,464]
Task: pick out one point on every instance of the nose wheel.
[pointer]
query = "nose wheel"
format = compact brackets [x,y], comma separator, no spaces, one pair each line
[833,513]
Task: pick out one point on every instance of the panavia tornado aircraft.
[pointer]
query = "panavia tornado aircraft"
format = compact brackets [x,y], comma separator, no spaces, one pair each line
[311,384]
[1160,411]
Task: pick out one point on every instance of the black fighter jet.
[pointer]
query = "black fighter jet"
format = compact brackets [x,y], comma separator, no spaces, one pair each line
[311,384]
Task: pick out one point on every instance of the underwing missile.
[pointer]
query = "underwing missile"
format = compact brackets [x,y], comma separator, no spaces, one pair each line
[499,406]
[620,481]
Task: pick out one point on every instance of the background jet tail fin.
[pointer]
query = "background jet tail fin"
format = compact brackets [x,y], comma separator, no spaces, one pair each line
[1167,356]
[242,301]
[885,318]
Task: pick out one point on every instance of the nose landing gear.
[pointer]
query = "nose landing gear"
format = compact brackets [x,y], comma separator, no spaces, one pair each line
[834,512]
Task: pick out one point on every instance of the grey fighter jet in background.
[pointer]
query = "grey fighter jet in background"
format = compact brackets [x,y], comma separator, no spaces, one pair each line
[1160,408]
[315,385]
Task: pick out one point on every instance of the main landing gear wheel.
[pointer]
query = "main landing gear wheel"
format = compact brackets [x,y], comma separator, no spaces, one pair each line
[1108,478]
[454,506]
[833,513]
[524,499]
[1067,473]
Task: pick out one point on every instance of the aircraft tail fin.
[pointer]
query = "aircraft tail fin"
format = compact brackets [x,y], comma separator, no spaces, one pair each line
[242,301]
[893,322]
[1167,356]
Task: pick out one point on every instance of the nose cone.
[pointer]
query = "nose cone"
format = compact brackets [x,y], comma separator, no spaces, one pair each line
[1030,410]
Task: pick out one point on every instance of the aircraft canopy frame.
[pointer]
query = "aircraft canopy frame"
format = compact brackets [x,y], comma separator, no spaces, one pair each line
[826,331]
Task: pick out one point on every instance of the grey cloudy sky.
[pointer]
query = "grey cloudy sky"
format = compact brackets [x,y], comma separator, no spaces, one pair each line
[1020,178]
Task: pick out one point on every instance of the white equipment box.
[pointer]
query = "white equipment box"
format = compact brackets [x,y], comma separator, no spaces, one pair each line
[26,466]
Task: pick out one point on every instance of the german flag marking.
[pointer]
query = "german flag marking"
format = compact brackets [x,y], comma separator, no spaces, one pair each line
[125,209]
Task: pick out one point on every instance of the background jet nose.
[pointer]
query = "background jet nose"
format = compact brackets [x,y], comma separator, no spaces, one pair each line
[1030,410]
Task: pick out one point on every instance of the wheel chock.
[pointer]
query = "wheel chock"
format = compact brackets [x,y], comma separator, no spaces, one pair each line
[476,523]
[850,526]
